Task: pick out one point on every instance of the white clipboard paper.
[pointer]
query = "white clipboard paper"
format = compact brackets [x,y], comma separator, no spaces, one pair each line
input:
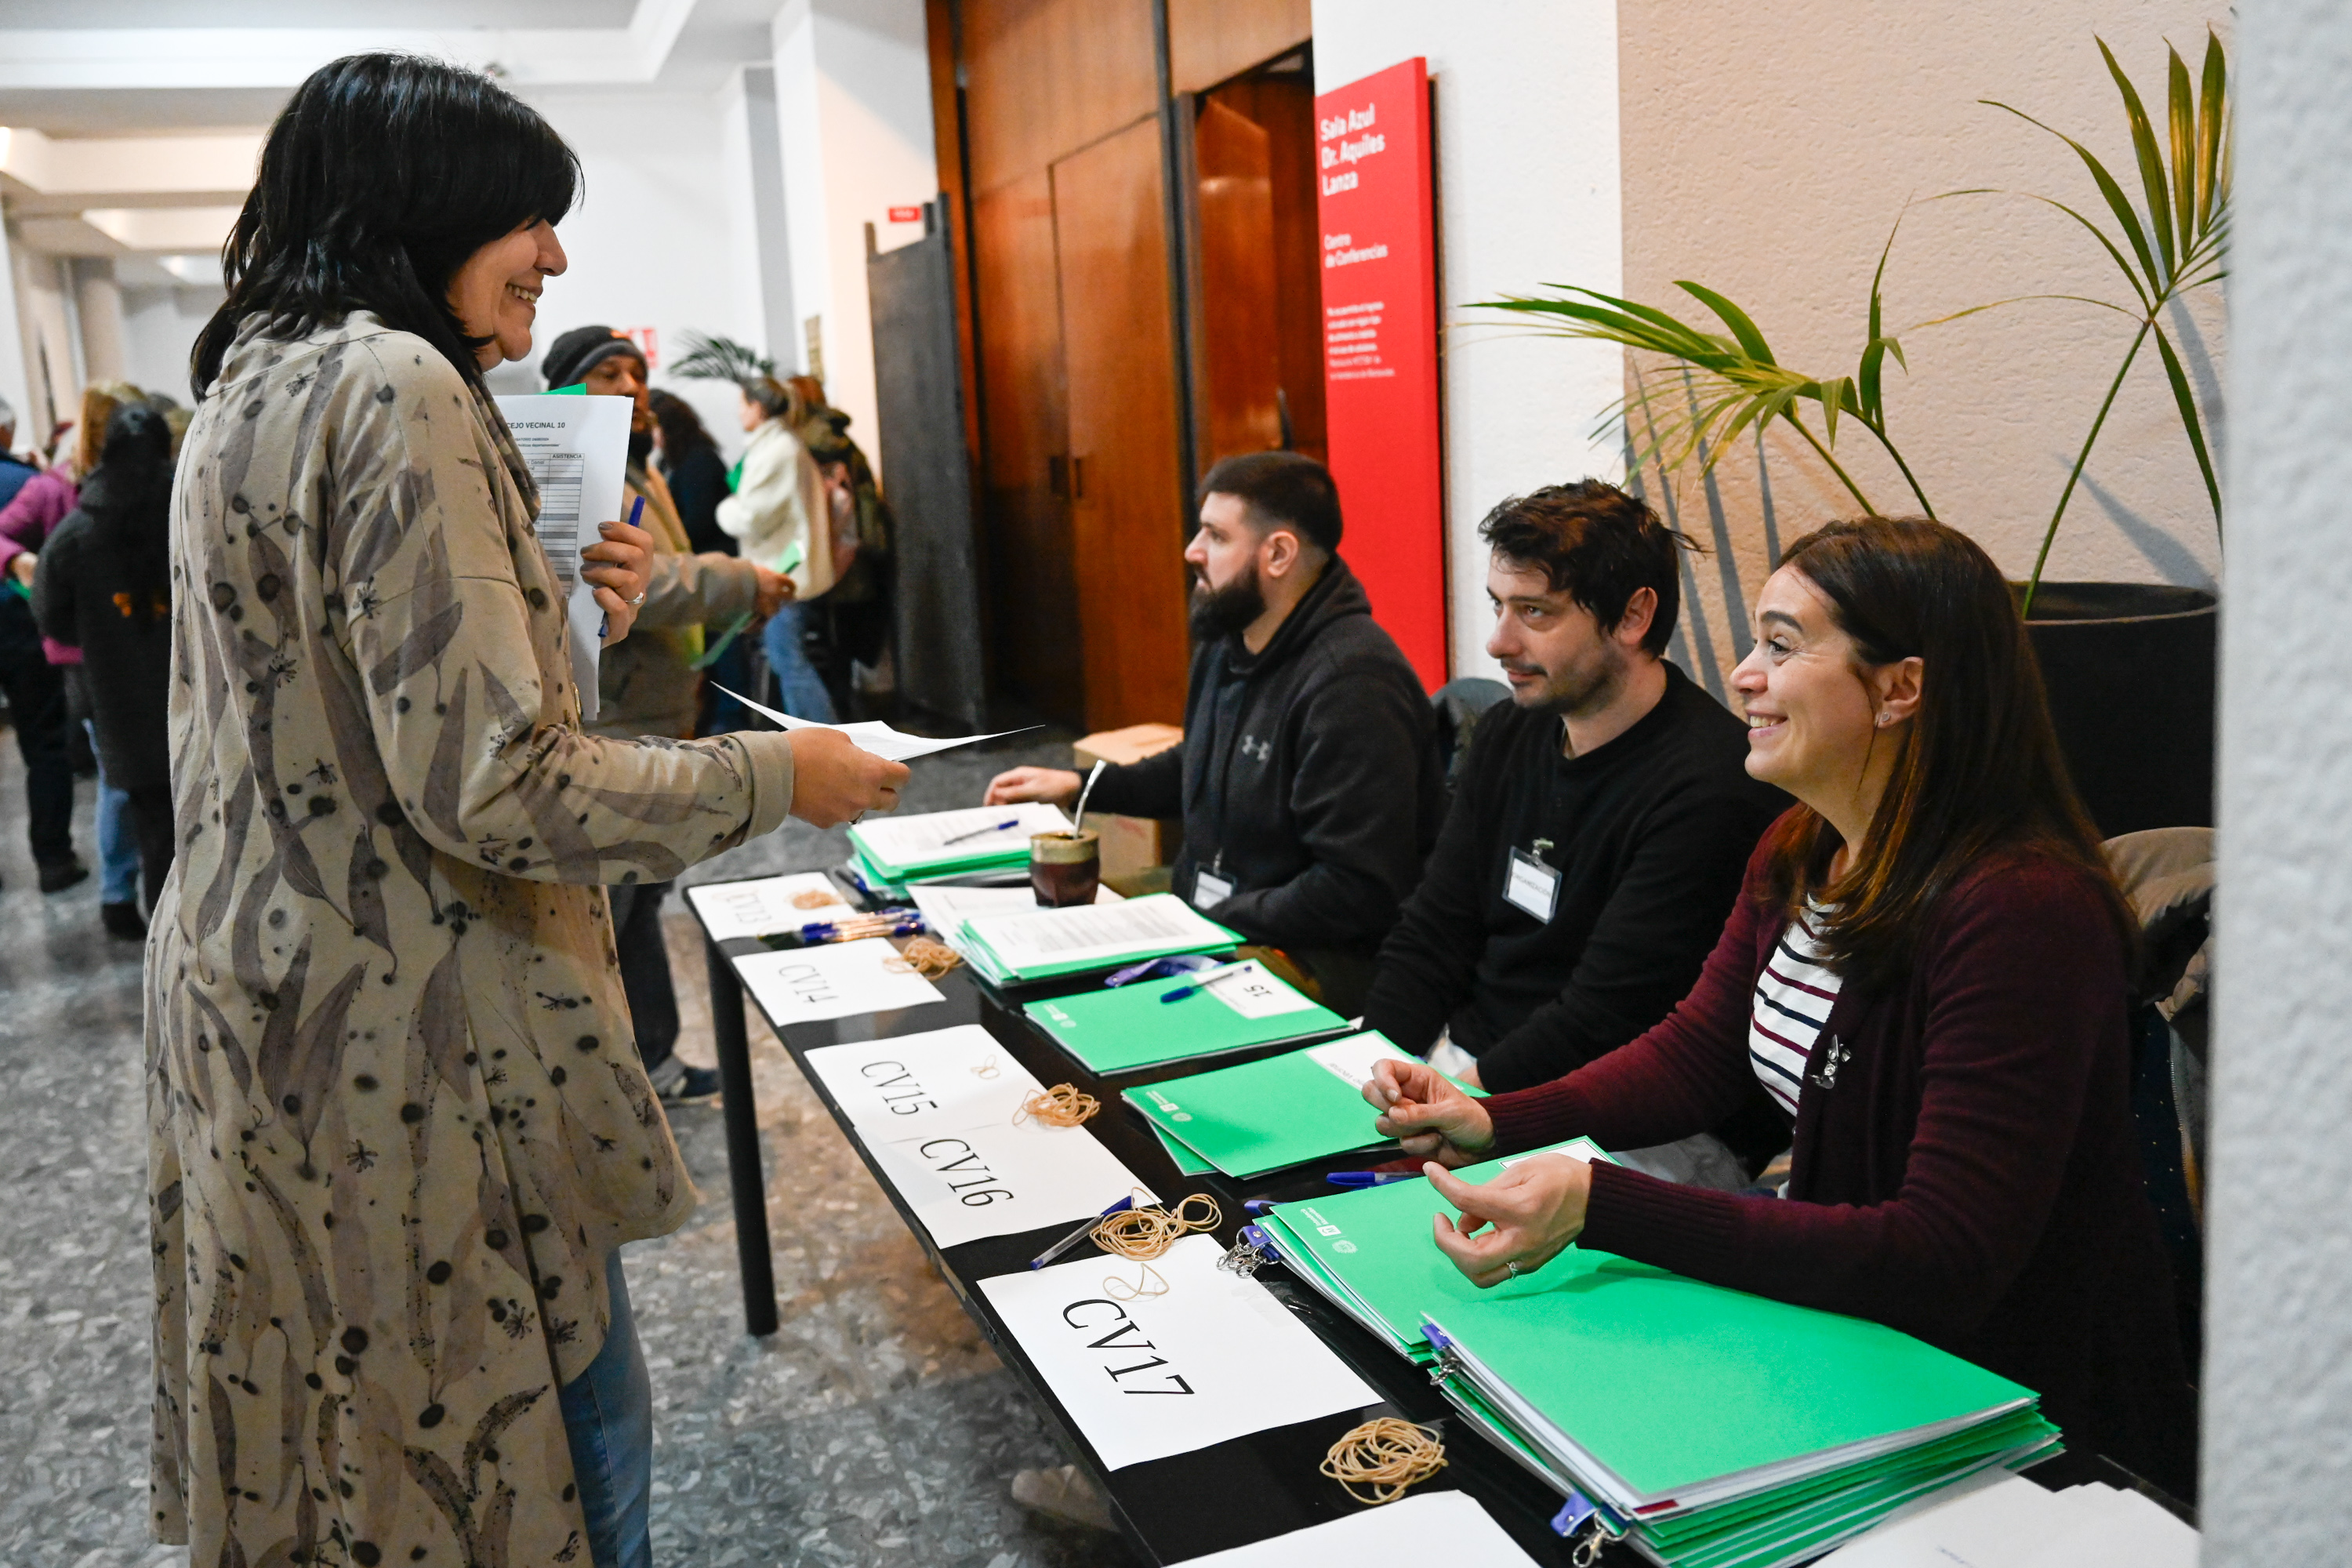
[577,449]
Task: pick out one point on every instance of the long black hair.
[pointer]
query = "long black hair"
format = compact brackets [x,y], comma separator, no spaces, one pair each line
[382,174]
[129,499]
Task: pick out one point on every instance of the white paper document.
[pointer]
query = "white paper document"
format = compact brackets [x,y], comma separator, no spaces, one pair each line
[997,1178]
[949,836]
[835,980]
[875,736]
[767,906]
[1351,1059]
[1158,922]
[946,907]
[1422,1527]
[1214,1358]
[914,1084]
[577,449]
[2000,1520]
[1255,993]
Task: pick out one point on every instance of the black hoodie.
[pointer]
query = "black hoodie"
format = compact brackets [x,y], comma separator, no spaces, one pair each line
[1308,777]
[104,585]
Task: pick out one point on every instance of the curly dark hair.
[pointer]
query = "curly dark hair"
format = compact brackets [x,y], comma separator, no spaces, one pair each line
[1597,545]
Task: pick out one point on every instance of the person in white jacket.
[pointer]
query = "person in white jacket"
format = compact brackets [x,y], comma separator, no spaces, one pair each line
[779,510]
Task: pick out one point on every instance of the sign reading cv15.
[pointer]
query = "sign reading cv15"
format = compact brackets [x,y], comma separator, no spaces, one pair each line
[1117,1339]
[901,1093]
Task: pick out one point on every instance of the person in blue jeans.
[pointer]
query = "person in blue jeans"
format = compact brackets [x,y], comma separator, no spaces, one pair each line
[608,1419]
[781,512]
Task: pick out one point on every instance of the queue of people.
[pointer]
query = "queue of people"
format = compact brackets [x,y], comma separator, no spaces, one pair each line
[410,1017]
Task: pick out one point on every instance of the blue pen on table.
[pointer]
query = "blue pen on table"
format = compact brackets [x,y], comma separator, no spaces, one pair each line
[817,931]
[991,827]
[1203,979]
[1080,1234]
[1353,1179]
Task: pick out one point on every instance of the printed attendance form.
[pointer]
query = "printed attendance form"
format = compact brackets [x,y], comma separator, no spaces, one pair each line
[577,449]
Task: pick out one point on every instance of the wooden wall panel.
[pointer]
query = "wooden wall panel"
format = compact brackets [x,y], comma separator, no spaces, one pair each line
[1212,40]
[1239,370]
[1127,517]
[1045,78]
[1033,587]
[947,148]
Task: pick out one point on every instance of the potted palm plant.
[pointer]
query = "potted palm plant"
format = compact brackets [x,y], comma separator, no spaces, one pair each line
[2130,666]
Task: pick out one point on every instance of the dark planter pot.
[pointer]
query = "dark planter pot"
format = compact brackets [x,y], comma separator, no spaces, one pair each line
[2129,667]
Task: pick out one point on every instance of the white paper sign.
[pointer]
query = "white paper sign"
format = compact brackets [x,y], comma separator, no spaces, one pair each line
[837,980]
[875,736]
[767,906]
[577,449]
[946,908]
[1254,993]
[918,1083]
[1351,1058]
[1217,1357]
[1426,1527]
[993,1178]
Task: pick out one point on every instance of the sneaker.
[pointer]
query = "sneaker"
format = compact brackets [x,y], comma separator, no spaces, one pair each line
[694,1086]
[60,875]
[1064,1492]
[122,920]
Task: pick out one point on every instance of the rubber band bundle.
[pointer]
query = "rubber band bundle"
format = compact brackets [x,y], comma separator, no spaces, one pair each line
[813,898]
[1146,1232]
[930,957]
[1386,1457]
[1060,1105]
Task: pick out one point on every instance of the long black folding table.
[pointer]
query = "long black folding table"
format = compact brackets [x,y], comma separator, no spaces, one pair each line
[1229,1494]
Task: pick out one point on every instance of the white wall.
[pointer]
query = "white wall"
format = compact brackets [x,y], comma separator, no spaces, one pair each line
[653,241]
[853,104]
[158,330]
[2278,1382]
[1527,189]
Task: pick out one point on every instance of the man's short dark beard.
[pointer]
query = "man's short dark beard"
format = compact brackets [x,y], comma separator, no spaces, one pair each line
[1223,612]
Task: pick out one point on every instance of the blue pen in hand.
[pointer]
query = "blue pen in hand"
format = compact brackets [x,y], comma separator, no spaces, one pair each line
[604,624]
[1080,1234]
[1371,1178]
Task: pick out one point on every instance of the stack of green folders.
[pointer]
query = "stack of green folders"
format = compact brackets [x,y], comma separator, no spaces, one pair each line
[1050,944]
[890,852]
[1181,1020]
[1709,1427]
[1268,1115]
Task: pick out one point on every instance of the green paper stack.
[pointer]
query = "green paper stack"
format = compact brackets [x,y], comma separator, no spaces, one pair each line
[939,846]
[1130,1026]
[1711,1427]
[1086,939]
[1285,1111]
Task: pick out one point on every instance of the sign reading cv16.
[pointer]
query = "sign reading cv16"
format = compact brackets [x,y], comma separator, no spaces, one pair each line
[953,1157]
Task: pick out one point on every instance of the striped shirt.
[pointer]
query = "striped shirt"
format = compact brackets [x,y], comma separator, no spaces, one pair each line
[1792,1002]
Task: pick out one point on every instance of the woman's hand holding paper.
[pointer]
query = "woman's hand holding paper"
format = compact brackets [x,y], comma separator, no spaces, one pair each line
[1515,1223]
[1423,1110]
[620,565]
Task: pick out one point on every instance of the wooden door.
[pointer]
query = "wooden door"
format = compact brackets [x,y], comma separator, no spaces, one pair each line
[1128,506]
[1241,370]
[1032,594]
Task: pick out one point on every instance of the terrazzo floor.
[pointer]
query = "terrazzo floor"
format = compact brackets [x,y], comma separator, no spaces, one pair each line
[875,1427]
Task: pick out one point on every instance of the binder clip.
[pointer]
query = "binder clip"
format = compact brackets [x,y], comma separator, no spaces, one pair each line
[1253,1252]
[1448,1365]
[1581,1515]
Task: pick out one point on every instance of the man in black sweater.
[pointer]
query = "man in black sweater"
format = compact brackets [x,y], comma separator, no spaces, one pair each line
[1307,776]
[1599,824]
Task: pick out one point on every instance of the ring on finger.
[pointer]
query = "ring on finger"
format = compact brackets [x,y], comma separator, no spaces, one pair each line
[1512,1268]
[638,600]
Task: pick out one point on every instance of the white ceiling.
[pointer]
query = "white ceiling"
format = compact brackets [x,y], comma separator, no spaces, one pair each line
[142,14]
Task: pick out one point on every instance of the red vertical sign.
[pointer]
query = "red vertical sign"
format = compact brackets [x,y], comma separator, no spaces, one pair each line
[1379,349]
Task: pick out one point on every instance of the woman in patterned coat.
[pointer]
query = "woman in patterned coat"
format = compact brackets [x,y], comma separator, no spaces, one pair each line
[398,1131]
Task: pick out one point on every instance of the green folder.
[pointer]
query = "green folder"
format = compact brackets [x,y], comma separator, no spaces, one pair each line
[1187,1162]
[1130,1025]
[1265,1115]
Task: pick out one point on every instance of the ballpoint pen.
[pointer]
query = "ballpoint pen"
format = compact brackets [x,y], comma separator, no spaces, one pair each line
[1203,979]
[1080,1234]
[604,624]
[989,827]
[1371,1178]
[818,932]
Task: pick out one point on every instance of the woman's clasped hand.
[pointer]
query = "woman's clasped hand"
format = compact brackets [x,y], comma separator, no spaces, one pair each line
[620,565]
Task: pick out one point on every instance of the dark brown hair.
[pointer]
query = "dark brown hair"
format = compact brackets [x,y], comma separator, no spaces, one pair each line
[1597,545]
[1280,489]
[682,430]
[1979,771]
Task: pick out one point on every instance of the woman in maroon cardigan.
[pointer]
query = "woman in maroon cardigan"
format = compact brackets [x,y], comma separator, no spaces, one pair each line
[1928,968]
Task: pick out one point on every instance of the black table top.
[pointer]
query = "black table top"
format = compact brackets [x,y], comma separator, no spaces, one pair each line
[1246,1488]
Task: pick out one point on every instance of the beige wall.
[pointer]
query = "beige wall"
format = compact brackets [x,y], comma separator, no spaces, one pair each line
[1768,149]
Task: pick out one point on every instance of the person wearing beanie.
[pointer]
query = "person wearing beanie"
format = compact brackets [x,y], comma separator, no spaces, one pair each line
[649,685]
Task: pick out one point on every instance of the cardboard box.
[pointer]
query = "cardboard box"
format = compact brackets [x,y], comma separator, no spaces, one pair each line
[1131,845]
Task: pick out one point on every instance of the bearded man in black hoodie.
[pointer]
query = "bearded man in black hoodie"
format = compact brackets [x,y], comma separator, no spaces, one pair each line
[1308,777]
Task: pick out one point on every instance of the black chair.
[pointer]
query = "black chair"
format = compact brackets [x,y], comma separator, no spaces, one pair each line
[1458,704]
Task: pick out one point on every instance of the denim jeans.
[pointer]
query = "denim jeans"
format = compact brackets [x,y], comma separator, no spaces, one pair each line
[803,695]
[608,1415]
[118,845]
[645,972]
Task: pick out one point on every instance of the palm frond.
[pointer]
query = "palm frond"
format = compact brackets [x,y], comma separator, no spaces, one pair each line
[709,357]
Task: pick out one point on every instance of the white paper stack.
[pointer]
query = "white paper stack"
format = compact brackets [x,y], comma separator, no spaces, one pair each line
[2010,1523]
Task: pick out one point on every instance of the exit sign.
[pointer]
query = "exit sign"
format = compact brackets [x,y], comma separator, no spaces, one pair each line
[648,342]
[906,215]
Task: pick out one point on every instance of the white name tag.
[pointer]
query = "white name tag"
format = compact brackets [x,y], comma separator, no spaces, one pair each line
[1209,890]
[1532,885]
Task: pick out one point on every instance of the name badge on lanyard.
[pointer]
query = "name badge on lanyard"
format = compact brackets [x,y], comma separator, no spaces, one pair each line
[1531,885]
[1209,889]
